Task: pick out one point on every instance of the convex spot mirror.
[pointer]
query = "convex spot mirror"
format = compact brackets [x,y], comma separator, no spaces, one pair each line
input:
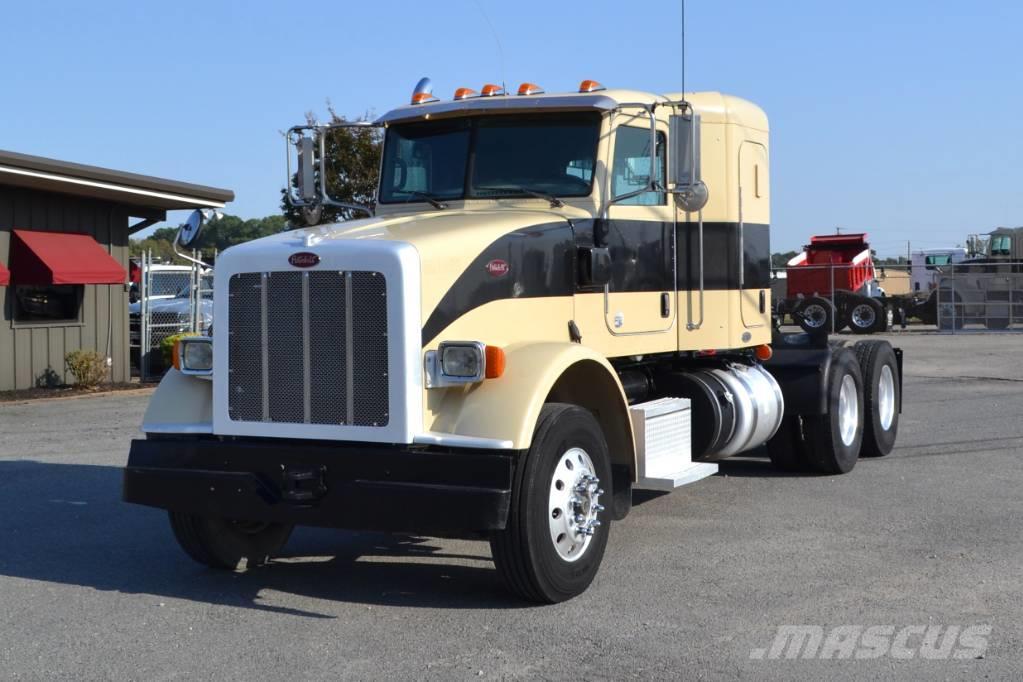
[191,229]
[690,192]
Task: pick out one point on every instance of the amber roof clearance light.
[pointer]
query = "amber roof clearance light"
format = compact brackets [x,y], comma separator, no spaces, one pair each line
[590,86]
[530,89]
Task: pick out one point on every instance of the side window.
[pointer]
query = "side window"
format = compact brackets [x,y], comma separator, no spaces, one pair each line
[52,303]
[581,168]
[630,169]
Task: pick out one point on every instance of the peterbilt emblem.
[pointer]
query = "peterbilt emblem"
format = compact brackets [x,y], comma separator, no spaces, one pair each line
[303,259]
[498,267]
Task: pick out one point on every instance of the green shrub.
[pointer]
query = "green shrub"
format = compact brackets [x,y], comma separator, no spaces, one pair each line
[167,346]
[88,367]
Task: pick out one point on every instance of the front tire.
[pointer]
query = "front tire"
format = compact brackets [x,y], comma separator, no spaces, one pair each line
[554,541]
[223,544]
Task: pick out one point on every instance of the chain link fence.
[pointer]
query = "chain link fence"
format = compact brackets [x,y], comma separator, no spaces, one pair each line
[166,301]
[953,298]
[972,297]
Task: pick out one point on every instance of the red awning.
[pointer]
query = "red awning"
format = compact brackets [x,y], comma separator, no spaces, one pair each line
[5,276]
[61,258]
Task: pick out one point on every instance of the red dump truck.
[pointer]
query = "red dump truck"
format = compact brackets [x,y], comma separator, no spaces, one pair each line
[832,284]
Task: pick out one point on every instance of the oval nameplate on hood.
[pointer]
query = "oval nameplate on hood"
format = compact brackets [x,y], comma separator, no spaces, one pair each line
[304,259]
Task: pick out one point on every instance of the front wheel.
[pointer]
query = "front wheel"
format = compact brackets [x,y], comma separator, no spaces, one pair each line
[223,544]
[556,534]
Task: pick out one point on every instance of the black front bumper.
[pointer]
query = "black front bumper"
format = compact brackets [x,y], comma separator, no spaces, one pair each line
[456,492]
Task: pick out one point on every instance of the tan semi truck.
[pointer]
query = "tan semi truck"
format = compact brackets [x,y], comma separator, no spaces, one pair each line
[557,298]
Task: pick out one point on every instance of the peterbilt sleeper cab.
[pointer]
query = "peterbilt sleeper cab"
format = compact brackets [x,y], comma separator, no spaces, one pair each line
[557,298]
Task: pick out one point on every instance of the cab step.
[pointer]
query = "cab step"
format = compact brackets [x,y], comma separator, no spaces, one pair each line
[663,431]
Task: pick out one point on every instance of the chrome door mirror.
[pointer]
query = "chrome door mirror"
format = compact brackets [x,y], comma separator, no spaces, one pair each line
[690,192]
[306,177]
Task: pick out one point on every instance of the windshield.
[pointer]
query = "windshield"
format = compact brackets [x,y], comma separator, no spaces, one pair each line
[490,156]
[1001,246]
[932,261]
[169,283]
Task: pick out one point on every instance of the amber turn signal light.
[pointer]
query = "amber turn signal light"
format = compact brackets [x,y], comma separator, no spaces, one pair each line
[495,362]
[763,352]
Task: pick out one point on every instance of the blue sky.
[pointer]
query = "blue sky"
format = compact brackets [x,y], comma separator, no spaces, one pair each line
[900,118]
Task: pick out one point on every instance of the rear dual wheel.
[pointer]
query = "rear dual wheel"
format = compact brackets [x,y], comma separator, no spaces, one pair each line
[866,316]
[881,396]
[815,315]
[556,534]
[828,443]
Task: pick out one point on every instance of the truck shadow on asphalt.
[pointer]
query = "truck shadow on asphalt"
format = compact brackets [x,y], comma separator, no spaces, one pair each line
[66,524]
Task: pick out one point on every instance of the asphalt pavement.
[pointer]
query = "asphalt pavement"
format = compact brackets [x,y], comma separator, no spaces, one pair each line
[695,584]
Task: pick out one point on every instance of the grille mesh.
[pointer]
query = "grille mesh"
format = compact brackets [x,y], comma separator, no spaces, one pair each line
[308,347]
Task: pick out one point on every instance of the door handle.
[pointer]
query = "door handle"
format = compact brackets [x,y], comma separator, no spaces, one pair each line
[665,305]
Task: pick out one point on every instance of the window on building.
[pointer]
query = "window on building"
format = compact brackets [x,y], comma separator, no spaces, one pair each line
[631,166]
[49,303]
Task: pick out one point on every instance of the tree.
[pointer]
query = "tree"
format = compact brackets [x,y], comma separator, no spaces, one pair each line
[780,260]
[353,165]
[218,235]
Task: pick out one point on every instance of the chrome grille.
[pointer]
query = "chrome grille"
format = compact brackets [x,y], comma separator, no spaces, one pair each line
[308,347]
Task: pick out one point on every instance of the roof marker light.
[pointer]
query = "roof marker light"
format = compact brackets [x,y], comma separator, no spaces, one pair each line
[465,93]
[530,89]
[590,86]
[423,92]
[491,90]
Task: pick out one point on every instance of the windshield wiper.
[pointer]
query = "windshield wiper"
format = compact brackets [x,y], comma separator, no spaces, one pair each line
[433,201]
[515,189]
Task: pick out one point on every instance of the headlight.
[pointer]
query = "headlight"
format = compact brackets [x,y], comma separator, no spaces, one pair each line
[462,361]
[457,363]
[194,356]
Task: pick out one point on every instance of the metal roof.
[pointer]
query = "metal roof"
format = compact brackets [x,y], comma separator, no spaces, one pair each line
[36,172]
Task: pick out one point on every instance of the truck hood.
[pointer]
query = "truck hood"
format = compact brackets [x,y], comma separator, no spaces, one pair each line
[448,241]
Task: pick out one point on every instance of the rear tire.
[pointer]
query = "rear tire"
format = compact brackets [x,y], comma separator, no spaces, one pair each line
[834,439]
[881,397]
[539,555]
[866,316]
[815,315]
[222,544]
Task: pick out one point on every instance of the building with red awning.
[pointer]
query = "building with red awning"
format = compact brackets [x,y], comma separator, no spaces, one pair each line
[64,236]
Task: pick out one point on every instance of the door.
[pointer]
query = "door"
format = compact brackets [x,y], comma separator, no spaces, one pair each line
[754,248]
[640,234]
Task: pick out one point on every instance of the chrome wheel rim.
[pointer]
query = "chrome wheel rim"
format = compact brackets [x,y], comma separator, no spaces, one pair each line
[573,504]
[886,397]
[863,316]
[848,410]
[815,315]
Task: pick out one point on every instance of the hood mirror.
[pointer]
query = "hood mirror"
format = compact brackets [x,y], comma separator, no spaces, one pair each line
[189,231]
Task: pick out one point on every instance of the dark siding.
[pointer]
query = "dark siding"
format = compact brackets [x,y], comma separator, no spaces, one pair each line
[27,354]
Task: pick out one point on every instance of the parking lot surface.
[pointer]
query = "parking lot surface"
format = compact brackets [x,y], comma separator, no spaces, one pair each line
[694,584]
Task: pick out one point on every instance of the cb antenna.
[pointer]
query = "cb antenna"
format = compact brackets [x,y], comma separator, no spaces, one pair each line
[683,49]
[497,41]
